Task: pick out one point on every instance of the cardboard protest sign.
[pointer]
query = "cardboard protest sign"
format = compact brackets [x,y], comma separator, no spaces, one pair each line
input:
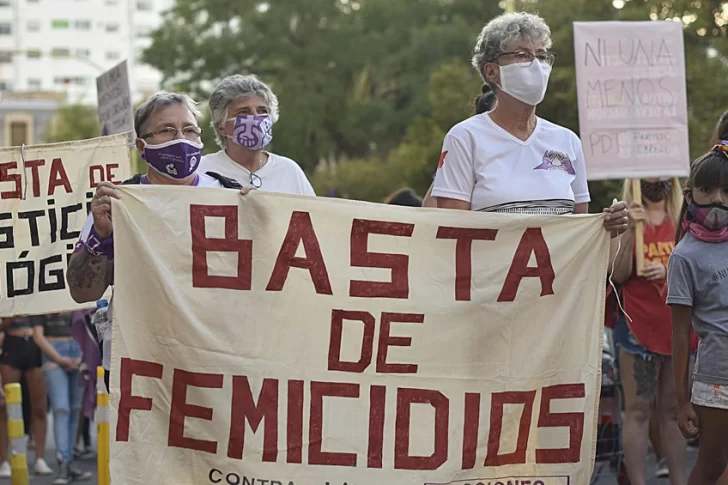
[632,99]
[45,195]
[292,340]
[116,113]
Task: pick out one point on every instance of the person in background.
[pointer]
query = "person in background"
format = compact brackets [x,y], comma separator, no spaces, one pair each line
[84,333]
[509,160]
[406,197]
[483,103]
[168,139]
[61,361]
[244,110]
[22,357]
[698,297]
[645,342]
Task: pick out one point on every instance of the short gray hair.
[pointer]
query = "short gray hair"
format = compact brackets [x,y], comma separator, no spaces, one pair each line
[504,29]
[232,88]
[162,100]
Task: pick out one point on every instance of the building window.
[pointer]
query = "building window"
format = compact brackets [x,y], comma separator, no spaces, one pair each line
[33,26]
[33,53]
[60,24]
[113,56]
[5,29]
[60,52]
[6,57]
[112,2]
[112,27]
[144,5]
[19,133]
[83,53]
[4,3]
[82,25]
[35,83]
[78,81]
[5,85]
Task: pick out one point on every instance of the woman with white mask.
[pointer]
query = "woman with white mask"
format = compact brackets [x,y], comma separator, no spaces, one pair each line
[508,159]
[244,110]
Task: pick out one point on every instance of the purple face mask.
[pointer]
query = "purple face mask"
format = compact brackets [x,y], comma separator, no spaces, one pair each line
[253,132]
[178,158]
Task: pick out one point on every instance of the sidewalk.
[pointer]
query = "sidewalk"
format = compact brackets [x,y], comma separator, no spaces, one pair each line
[50,457]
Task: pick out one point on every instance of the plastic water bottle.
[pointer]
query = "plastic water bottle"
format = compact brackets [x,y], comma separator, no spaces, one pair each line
[103,327]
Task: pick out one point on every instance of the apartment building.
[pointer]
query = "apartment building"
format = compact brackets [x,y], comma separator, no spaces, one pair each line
[63,45]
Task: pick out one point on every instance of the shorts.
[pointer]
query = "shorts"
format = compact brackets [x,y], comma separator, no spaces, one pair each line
[710,395]
[625,339]
[21,353]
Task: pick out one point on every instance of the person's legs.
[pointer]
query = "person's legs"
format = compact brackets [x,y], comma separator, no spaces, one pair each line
[39,406]
[56,380]
[75,394]
[723,480]
[673,444]
[713,453]
[639,382]
[655,432]
[27,413]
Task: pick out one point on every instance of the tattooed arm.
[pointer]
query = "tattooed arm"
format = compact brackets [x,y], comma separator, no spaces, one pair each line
[90,272]
[89,276]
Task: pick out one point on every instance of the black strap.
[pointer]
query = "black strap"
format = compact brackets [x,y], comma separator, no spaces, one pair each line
[226,182]
[135,180]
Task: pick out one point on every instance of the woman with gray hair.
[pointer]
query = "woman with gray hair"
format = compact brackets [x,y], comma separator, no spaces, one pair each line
[509,160]
[168,139]
[244,110]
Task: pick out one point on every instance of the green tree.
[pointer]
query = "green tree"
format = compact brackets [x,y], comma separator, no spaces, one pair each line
[351,76]
[74,122]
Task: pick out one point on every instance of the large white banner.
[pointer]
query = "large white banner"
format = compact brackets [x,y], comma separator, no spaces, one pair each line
[275,339]
[45,195]
[630,79]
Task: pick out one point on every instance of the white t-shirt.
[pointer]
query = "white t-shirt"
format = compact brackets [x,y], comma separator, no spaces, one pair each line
[483,164]
[279,174]
[202,180]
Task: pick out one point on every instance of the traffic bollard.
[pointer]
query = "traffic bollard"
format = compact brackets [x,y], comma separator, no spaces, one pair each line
[102,428]
[16,434]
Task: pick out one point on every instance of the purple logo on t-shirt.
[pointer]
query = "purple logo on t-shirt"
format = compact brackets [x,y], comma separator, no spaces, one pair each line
[555,160]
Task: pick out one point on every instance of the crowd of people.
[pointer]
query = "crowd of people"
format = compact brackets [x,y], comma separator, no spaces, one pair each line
[503,159]
[43,354]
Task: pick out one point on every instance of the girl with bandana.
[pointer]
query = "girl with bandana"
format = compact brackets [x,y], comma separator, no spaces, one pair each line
[698,296]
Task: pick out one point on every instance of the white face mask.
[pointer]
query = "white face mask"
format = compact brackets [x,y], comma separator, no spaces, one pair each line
[526,84]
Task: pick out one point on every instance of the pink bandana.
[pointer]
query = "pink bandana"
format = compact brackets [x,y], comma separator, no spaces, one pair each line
[702,234]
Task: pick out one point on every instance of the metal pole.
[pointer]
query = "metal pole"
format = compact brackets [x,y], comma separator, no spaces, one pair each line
[16,435]
[102,429]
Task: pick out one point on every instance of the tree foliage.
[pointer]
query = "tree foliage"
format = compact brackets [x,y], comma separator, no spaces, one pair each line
[74,122]
[368,88]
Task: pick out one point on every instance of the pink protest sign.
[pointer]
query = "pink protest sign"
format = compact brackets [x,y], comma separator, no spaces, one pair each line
[632,99]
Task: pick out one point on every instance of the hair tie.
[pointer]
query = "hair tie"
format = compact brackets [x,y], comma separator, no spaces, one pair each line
[722,147]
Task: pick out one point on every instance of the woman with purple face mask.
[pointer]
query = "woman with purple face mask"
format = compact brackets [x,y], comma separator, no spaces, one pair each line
[168,139]
[244,110]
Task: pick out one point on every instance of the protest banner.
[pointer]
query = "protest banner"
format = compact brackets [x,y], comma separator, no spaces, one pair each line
[45,195]
[630,79]
[116,113]
[276,339]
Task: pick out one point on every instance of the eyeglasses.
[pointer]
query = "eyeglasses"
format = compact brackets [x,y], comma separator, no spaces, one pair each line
[169,133]
[525,58]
